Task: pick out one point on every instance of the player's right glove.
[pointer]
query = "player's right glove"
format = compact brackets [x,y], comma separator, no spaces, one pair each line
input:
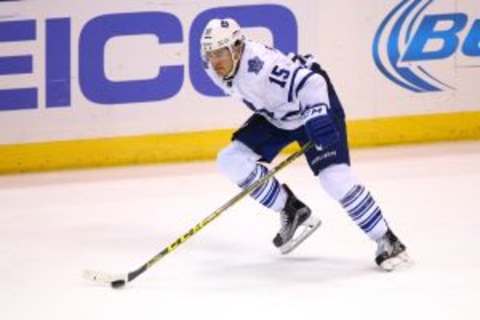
[321,130]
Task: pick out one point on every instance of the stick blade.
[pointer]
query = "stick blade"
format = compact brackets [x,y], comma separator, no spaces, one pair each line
[116,281]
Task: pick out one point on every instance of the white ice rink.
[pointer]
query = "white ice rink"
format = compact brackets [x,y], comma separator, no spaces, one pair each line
[54,225]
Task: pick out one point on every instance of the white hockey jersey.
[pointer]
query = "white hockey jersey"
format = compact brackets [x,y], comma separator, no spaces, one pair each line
[273,85]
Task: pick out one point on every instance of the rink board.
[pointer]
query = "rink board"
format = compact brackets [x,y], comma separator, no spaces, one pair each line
[205,145]
[115,83]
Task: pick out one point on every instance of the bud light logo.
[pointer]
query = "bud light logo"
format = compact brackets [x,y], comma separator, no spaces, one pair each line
[409,40]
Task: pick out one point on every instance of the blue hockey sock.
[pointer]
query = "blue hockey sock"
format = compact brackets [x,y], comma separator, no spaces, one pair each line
[365,212]
[269,194]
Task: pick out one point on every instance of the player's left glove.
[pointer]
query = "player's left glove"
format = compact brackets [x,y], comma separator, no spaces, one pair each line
[320,129]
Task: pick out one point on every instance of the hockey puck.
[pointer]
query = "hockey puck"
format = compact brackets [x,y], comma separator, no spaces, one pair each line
[118,284]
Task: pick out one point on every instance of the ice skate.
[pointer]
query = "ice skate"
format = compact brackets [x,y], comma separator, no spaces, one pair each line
[294,217]
[391,253]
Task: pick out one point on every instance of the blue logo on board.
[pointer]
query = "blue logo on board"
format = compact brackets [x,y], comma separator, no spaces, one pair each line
[408,38]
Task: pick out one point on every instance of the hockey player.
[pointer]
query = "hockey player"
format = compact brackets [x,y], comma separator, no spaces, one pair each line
[292,99]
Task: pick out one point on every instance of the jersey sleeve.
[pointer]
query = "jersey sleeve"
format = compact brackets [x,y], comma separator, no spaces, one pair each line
[312,94]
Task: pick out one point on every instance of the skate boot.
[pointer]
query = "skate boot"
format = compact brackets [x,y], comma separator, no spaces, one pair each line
[295,215]
[391,253]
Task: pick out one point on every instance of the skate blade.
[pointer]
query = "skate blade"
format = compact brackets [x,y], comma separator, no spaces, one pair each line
[399,262]
[310,225]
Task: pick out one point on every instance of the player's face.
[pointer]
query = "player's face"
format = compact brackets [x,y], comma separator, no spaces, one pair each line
[221,60]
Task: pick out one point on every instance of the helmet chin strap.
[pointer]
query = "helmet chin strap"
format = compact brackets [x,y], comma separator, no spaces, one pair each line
[235,66]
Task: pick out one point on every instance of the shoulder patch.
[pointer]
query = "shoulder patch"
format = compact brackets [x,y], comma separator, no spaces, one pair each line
[255,65]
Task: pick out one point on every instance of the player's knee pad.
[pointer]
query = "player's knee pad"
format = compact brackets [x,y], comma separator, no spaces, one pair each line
[337,180]
[237,161]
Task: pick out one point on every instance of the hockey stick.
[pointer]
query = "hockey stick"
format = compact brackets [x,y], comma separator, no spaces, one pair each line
[118,281]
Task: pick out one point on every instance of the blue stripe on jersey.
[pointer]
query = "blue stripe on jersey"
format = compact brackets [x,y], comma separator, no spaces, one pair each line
[291,114]
[250,105]
[302,82]
[264,111]
[292,82]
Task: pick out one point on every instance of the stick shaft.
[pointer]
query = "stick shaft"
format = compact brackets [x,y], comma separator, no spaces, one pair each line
[172,246]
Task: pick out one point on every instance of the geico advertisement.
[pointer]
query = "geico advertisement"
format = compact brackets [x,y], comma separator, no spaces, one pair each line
[100,68]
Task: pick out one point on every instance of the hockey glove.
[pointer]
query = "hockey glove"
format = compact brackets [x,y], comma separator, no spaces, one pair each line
[321,131]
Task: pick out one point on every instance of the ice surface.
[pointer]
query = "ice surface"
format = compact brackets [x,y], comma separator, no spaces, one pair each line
[54,225]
